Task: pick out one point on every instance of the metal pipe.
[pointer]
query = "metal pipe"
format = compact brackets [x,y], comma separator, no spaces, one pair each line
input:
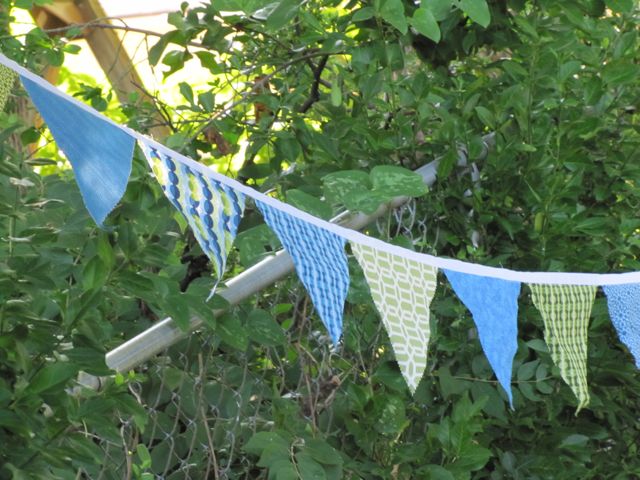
[165,333]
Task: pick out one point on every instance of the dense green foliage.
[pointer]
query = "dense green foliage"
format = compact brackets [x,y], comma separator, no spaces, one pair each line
[340,89]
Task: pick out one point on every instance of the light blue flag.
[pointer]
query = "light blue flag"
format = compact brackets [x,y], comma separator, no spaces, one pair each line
[624,309]
[493,303]
[320,261]
[100,153]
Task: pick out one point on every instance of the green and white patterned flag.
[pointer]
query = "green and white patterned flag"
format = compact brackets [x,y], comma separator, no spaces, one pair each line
[402,290]
[7,79]
[565,310]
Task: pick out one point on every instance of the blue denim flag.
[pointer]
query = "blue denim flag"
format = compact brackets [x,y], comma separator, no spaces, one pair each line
[493,303]
[624,309]
[320,262]
[100,153]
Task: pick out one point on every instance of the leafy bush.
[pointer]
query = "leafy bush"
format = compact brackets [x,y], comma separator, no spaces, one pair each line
[335,94]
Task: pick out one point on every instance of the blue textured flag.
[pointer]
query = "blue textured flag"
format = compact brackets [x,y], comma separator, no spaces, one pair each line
[624,309]
[212,209]
[493,303]
[100,153]
[320,261]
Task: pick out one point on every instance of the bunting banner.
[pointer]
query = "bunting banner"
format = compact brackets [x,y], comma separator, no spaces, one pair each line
[212,210]
[402,290]
[624,308]
[565,310]
[493,304]
[401,281]
[320,261]
[99,152]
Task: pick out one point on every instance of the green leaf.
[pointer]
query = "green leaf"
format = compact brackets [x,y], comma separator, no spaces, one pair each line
[282,14]
[309,469]
[620,6]
[207,101]
[336,93]
[274,453]
[264,329]
[485,116]
[89,360]
[436,472]
[208,60]
[392,12]
[439,8]
[285,471]
[527,390]
[309,204]
[472,457]
[158,49]
[287,147]
[143,454]
[619,73]
[477,10]
[136,285]
[425,23]
[339,184]
[395,181]
[52,376]
[365,201]
[175,59]
[538,345]
[232,332]
[574,440]
[260,440]
[527,370]
[363,14]
[187,92]
[177,306]
[391,419]
[568,69]
[322,452]
[252,241]
[94,274]
[447,162]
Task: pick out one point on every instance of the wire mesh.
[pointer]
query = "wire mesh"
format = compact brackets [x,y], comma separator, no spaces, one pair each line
[195,410]
[202,401]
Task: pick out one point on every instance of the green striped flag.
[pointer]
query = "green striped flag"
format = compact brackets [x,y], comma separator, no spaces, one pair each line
[565,310]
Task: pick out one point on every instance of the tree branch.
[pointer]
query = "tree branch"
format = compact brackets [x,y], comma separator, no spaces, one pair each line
[314,95]
[99,23]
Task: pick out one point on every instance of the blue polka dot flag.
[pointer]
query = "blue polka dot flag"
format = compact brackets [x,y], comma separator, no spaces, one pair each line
[320,262]
[493,303]
[212,209]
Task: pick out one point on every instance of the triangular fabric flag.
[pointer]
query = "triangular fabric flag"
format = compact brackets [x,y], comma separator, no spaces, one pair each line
[7,79]
[320,262]
[100,152]
[402,290]
[212,209]
[624,309]
[493,303]
[565,310]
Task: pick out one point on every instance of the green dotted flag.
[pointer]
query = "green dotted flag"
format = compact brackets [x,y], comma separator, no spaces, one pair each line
[7,79]
[565,310]
[402,290]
